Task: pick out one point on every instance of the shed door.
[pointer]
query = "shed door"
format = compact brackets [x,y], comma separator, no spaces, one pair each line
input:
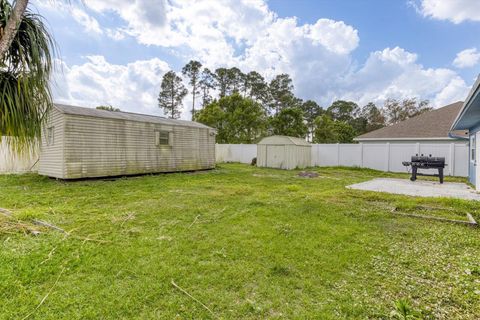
[275,156]
[477,161]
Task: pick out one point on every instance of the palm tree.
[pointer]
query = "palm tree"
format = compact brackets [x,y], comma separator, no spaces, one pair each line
[11,26]
[25,70]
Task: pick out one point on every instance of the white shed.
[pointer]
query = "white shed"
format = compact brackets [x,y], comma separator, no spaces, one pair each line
[284,153]
[83,143]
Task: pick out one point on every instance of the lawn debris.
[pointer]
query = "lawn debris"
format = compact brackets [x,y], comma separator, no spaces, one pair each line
[67,234]
[49,256]
[471,219]
[9,224]
[130,216]
[421,216]
[6,212]
[192,297]
[48,225]
[194,221]
[45,297]
[308,174]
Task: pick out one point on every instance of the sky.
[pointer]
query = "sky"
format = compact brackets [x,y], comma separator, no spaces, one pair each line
[115,52]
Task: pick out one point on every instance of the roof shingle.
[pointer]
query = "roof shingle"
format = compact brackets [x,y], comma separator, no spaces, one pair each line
[431,124]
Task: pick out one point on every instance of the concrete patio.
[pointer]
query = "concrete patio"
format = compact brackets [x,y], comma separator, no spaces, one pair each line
[419,188]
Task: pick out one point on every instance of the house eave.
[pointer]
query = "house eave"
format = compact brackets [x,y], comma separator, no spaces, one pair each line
[466,105]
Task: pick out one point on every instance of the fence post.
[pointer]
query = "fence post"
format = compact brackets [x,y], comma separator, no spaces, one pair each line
[387,157]
[338,154]
[451,165]
[361,154]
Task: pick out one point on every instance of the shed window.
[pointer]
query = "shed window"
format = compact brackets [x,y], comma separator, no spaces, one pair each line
[472,148]
[162,138]
[49,136]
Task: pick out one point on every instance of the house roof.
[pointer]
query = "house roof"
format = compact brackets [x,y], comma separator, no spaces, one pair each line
[469,115]
[282,140]
[120,115]
[431,125]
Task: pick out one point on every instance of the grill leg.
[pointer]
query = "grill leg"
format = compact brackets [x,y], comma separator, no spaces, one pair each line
[414,174]
[440,174]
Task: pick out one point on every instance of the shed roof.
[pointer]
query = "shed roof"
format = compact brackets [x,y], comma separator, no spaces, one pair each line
[282,140]
[433,124]
[91,112]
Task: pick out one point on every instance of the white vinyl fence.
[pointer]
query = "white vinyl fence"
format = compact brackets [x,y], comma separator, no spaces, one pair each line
[379,156]
[12,162]
[243,153]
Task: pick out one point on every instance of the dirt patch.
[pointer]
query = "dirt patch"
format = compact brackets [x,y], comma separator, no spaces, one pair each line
[308,174]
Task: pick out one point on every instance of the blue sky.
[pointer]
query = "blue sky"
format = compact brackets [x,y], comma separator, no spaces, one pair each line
[116,51]
[392,23]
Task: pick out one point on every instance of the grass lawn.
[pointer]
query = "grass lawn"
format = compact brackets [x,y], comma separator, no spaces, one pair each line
[245,242]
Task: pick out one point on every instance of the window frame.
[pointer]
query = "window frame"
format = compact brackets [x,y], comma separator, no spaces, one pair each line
[162,138]
[50,136]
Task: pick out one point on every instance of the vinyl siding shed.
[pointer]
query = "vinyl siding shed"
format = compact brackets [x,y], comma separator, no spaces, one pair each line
[84,143]
[284,152]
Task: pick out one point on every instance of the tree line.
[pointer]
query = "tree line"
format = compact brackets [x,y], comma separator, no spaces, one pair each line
[244,107]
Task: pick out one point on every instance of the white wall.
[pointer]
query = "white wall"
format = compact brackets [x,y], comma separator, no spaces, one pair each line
[243,153]
[389,156]
[12,162]
[379,156]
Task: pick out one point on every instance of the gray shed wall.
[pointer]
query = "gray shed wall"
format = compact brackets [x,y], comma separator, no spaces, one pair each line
[284,156]
[97,147]
[51,156]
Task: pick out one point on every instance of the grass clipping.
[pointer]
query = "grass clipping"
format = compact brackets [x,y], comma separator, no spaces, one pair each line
[10,225]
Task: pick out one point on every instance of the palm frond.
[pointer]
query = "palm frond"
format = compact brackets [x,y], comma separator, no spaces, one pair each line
[24,80]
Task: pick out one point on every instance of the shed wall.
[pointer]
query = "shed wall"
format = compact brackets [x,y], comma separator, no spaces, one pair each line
[51,156]
[109,147]
[283,156]
[98,147]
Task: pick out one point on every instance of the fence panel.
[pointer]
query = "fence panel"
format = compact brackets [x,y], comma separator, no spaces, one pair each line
[379,156]
[399,152]
[371,158]
[12,162]
[243,153]
[350,155]
[461,160]
[324,155]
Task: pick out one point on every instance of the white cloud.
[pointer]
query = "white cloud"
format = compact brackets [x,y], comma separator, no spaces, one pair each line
[467,58]
[89,23]
[395,73]
[249,35]
[133,87]
[455,11]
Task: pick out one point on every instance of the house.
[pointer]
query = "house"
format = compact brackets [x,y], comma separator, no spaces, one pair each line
[427,134]
[83,143]
[468,118]
[432,127]
[284,152]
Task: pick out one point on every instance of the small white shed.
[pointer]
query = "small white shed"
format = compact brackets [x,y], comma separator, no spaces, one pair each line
[284,153]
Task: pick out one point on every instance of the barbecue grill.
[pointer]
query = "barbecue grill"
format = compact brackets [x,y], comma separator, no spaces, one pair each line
[424,162]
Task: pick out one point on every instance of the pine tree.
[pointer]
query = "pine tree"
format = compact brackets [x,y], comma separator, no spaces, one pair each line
[172,92]
[192,71]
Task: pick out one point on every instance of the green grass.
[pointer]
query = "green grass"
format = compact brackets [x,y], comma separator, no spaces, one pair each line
[248,243]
